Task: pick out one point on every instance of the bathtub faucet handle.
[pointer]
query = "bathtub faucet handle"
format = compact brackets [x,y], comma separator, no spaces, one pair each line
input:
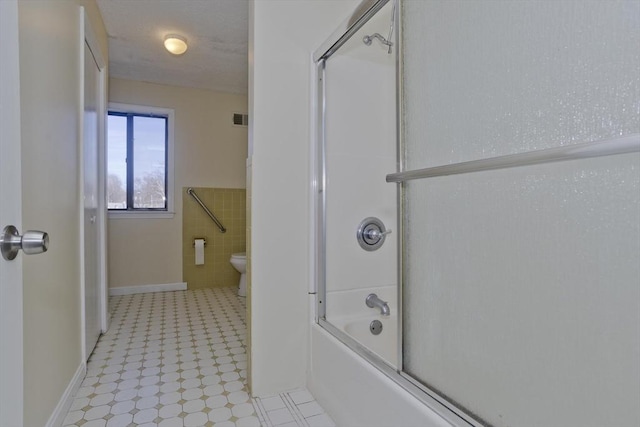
[371,233]
[373,301]
[376,234]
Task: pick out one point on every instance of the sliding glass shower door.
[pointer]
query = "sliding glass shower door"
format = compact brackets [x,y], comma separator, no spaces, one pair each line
[357,102]
[521,278]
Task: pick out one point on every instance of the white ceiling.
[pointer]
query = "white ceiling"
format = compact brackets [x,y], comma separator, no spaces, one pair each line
[216,32]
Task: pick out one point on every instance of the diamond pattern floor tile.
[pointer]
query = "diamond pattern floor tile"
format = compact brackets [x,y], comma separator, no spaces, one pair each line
[178,359]
[169,359]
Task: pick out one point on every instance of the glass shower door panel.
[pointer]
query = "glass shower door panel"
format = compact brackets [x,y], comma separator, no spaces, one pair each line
[522,291]
[490,78]
[360,146]
[521,286]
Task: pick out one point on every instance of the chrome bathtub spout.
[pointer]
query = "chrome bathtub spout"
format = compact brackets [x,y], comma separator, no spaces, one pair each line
[373,301]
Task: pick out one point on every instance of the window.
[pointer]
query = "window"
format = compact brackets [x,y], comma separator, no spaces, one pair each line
[138,157]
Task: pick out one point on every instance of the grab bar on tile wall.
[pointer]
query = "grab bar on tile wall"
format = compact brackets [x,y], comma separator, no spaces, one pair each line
[609,147]
[204,207]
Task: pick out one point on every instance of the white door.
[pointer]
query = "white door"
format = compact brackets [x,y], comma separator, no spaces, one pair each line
[11,385]
[91,205]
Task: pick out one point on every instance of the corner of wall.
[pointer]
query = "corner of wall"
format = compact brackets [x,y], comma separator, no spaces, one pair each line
[282,36]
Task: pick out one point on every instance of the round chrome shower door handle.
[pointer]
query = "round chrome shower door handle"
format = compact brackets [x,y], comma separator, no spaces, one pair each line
[31,242]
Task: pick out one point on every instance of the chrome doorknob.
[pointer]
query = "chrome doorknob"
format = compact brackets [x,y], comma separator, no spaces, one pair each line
[31,242]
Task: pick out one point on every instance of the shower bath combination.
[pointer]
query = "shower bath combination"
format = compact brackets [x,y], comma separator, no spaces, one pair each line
[476,169]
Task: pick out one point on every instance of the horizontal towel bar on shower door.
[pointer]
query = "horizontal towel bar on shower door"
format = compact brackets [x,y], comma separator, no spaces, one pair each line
[608,147]
[204,207]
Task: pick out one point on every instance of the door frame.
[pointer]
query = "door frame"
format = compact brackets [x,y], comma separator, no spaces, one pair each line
[11,305]
[88,36]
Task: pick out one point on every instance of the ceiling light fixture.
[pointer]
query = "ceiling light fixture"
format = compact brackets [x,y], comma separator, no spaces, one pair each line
[175,44]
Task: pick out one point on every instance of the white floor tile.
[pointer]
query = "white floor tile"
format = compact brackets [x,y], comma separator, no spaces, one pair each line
[177,359]
[97,413]
[300,396]
[95,423]
[122,420]
[220,414]
[248,422]
[145,416]
[310,409]
[198,419]
[79,403]
[271,403]
[170,411]
[280,416]
[73,417]
[123,407]
[216,401]
[322,420]
[243,410]
[171,422]
[147,402]
[193,406]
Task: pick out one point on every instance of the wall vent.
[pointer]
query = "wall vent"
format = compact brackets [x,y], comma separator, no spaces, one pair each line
[240,119]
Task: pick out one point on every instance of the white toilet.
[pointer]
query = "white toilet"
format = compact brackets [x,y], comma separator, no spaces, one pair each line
[239,262]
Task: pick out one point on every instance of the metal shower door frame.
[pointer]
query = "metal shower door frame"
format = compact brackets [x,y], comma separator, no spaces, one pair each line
[365,11]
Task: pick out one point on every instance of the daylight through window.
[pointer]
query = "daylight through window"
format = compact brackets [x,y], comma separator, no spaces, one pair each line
[136,161]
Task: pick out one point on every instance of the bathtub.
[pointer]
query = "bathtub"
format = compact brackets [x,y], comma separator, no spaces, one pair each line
[384,344]
[355,389]
[358,394]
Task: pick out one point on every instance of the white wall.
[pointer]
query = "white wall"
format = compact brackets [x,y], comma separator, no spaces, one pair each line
[208,152]
[284,35]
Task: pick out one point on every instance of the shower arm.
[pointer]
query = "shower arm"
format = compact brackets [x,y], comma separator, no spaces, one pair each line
[368,39]
[385,41]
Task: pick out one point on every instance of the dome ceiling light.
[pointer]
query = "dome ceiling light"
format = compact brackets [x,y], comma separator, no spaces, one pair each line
[175,44]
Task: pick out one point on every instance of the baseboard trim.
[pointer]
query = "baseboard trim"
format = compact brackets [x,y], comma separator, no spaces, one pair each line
[143,289]
[62,408]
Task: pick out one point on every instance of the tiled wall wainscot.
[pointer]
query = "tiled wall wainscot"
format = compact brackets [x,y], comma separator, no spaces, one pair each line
[229,206]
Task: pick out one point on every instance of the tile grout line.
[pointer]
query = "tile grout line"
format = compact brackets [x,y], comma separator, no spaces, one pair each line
[262,412]
[293,408]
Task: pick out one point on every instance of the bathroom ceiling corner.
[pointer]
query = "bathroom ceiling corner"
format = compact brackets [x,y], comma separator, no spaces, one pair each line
[216,32]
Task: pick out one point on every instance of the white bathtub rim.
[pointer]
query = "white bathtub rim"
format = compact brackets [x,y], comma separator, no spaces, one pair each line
[388,375]
[390,357]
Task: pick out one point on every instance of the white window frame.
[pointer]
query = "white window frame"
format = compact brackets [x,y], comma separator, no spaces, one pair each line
[169,113]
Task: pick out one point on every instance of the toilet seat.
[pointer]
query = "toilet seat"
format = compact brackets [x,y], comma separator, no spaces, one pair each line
[239,255]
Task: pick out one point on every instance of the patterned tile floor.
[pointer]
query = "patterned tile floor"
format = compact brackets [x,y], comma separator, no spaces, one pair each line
[179,359]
